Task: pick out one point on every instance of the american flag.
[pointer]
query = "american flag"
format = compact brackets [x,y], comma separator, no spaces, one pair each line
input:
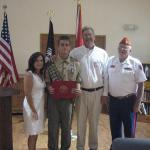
[8,71]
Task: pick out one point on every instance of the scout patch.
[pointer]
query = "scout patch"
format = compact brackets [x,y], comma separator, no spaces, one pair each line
[71,68]
[127,68]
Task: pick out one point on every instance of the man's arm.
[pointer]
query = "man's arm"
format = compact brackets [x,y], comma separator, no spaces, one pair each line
[78,79]
[139,95]
[104,98]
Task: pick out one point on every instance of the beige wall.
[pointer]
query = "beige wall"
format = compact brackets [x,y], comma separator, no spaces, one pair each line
[28,18]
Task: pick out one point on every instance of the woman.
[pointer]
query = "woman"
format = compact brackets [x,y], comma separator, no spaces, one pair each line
[33,105]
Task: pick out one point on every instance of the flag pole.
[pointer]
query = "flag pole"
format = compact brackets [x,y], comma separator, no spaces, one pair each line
[77,43]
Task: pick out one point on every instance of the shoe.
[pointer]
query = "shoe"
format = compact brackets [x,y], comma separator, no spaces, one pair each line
[111,147]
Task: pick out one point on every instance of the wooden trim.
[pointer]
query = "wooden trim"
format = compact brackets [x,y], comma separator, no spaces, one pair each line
[144,118]
[17,100]
[100,41]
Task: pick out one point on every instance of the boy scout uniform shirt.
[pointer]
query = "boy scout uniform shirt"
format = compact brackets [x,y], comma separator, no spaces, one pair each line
[123,77]
[69,69]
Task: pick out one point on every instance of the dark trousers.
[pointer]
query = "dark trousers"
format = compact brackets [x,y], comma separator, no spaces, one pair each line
[121,112]
[59,116]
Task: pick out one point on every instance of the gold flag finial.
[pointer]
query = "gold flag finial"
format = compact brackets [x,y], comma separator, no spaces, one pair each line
[78,1]
[4,7]
[51,14]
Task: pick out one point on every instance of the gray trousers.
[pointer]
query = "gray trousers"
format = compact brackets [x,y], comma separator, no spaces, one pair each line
[59,116]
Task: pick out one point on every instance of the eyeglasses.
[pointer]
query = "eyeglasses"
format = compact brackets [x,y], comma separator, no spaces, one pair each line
[126,48]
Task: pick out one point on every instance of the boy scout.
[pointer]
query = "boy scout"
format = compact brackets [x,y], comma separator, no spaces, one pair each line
[59,111]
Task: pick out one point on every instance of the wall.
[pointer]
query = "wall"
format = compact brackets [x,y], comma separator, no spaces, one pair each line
[28,18]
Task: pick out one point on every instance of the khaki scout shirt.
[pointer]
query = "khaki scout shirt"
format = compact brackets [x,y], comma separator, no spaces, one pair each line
[69,69]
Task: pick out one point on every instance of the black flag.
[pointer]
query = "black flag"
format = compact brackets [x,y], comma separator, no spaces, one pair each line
[50,50]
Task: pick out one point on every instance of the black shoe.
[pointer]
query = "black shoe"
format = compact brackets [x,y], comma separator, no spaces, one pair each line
[111,147]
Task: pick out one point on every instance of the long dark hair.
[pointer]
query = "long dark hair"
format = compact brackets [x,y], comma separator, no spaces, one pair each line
[32,60]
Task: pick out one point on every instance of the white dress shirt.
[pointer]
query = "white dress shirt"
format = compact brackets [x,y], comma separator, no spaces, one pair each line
[123,77]
[93,63]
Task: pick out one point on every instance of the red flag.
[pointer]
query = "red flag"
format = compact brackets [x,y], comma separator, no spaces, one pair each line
[8,71]
[79,40]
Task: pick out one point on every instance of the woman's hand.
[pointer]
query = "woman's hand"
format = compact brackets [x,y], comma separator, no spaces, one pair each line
[104,100]
[34,115]
[51,90]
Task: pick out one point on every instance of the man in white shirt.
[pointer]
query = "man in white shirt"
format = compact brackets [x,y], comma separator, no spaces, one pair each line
[125,87]
[93,63]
